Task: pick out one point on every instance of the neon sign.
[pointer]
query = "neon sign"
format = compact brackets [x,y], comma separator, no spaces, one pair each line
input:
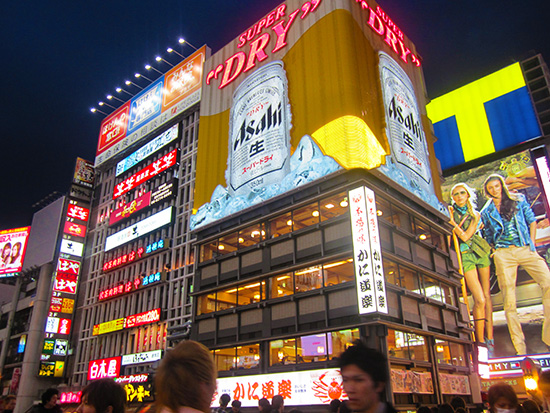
[78,212]
[72,228]
[133,378]
[129,286]
[133,255]
[68,266]
[65,283]
[242,62]
[104,368]
[140,319]
[146,173]
[70,397]
[108,327]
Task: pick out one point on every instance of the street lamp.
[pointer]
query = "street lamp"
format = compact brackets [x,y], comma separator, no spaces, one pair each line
[128,83]
[149,67]
[138,75]
[159,59]
[94,110]
[119,89]
[106,104]
[110,97]
[183,41]
[170,50]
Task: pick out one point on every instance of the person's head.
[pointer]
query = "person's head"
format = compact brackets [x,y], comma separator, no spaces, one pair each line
[544,383]
[334,405]
[224,400]
[103,396]
[460,410]
[264,405]
[364,376]
[530,406]
[277,403]
[462,195]
[445,408]
[502,398]
[236,406]
[457,402]
[9,402]
[49,398]
[6,251]
[495,187]
[16,250]
[186,377]
[423,409]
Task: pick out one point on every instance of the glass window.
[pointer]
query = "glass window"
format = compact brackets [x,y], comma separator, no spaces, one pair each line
[206,303]
[334,206]
[383,209]
[251,235]
[407,345]
[391,271]
[340,340]
[400,218]
[432,289]
[282,352]
[225,359]
[312,348]
[250,293]
[409,279]
[438,239]
[281,285]
[338,272]
[305,216]
[448,295]
[209,251]
[228,243]
[442,352]
[308,279]
[248,357]
[458,354]
[227,299]
[280,225]
[422,230]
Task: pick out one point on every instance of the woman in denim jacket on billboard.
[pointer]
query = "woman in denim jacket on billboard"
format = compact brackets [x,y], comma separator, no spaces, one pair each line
[510,227]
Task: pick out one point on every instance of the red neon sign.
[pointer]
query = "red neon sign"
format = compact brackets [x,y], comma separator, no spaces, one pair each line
[70,397]
[72,228]
[146,173]
[65,283]
[78,212]
[147,317]
[129,209]
[120,289]
[242,62]
[123,259]
[113,128]
[102,368]
[68,266]
[64,326]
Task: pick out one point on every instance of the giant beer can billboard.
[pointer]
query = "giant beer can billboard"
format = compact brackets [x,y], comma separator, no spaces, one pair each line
[298,96]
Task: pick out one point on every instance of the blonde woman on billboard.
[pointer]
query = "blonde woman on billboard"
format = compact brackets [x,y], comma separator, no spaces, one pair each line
[476,263]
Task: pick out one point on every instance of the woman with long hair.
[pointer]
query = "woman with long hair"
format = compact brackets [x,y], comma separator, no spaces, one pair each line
[476,263]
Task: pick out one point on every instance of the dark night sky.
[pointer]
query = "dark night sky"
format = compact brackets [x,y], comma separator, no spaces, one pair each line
[59,58]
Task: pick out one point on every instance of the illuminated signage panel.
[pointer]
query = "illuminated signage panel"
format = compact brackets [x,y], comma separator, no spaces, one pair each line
[133,378]
[78,212]
[127,210]
[68,266]
[150,171]
[304,388]
[135,255]
[518,172]
[72,228]
[108,327]
[145,357]
[139,229]
[488,115]
[146,150]
[65,283]
[13,245]
[46,369]
[373,111]
[544,174]
[57,325]
[71,247]
[104,368]
[22,344]
[84,173]
[126,127]
[60,347]
[130,286]
[140,319]
[69,397]
[62,305]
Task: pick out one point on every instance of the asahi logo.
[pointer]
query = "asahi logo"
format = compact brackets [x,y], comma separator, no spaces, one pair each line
[270,119]
[395,111]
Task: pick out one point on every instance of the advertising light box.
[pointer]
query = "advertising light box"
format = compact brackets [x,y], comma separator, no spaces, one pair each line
[520,181]
[104,368]
[482,117]
[13,245]
[277,123]
[145,357]
[139,229]
[161,101]
[71,247]
[304,388]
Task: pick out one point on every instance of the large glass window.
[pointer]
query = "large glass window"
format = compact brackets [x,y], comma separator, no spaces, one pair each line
[206,304]
[308,279]
[407,345]
[248,357]
[281,285]
[448,352]
[305,216]
[251,235]
[432,289]
[282,352]
[250,293]
[225,359]
[334,206]
[341,340]
[313,348]
[226,299]
[280,225]
[228,243]
[338,272]
[391,271]
[209,251]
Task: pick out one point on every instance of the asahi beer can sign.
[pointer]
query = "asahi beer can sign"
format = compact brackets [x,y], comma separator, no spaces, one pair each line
[404,127]
[259,131]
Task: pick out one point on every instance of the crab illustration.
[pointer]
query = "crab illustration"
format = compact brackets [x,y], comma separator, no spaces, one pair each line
[327,392]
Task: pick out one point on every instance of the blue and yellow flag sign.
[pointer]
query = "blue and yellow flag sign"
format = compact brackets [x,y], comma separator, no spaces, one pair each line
[482,117]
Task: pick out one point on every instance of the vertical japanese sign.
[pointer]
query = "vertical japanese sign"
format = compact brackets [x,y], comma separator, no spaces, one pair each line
[369,273]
